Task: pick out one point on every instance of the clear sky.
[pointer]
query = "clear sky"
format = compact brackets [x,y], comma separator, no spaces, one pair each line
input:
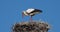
[10,12]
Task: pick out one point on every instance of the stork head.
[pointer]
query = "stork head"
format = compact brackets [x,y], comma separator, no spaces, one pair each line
[24,13]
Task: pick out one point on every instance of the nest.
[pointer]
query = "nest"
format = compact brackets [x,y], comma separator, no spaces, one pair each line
[31,27]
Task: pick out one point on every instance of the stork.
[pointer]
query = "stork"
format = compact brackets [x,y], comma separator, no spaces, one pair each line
[31,12]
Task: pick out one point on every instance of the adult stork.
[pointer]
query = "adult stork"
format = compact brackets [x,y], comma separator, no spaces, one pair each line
[31,12]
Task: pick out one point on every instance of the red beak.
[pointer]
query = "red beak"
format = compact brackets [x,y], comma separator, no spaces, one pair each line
[22,15]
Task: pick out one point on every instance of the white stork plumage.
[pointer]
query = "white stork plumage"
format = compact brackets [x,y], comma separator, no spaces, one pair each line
[31,12]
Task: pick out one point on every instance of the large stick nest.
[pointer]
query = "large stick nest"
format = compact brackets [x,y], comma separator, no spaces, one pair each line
[31,27]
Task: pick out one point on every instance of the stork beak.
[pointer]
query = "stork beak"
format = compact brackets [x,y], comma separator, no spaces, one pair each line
[23,15]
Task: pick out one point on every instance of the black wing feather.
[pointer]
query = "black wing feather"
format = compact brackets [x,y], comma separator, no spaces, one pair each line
[36,10]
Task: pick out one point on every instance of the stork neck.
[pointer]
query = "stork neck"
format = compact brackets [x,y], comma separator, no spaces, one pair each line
[25,13]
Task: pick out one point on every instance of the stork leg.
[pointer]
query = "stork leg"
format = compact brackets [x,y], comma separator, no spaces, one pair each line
[31,18]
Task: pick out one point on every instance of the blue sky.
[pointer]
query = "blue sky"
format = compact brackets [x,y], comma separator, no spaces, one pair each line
[10,12]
